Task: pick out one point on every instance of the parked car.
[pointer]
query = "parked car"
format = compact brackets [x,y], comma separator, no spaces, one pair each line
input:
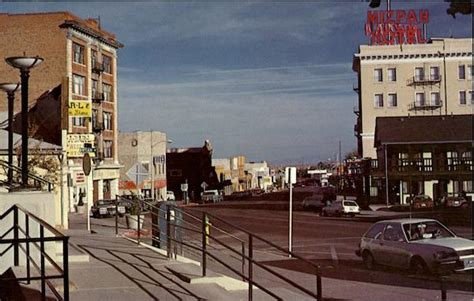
[315,202]
[341,207]
[211,196]
[420,245]
[104,208]
[170,196]
[421,202]
[455,201]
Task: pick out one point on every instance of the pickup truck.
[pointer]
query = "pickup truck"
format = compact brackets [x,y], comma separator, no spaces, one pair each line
[211,196]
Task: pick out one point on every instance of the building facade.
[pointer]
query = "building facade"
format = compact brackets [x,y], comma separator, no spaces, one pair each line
[424,155]
[144,152]
[192,166]
[79,76]
[411,80]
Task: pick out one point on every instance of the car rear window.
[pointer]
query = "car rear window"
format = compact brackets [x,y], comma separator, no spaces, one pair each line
[350,203]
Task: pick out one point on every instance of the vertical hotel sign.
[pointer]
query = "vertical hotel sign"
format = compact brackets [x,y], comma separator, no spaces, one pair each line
[392,27]
[80,144]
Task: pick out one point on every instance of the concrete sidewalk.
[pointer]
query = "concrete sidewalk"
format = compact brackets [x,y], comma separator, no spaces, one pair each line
[119,269]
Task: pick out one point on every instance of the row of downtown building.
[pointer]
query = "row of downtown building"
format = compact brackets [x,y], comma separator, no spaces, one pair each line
[75,108]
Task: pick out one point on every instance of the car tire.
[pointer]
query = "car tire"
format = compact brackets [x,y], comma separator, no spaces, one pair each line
[368,260]
[418,267]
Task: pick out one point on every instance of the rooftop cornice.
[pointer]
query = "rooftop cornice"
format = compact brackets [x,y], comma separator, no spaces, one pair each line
[91,32]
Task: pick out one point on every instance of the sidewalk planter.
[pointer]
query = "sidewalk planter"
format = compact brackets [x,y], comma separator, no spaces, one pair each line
[132,221]
[80,209]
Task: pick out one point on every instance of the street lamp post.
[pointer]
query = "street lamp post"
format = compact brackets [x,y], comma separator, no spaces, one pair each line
[10,88]
[152,163]
[24,64]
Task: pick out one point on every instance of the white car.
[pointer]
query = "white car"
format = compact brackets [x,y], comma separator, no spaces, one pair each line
[341,207]
[420,245]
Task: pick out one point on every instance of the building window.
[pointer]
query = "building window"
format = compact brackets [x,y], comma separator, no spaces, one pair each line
[78,53]
[403,162]
[378,100]
[392,100]
[107,120]
[453,160]
[78,121]
[435,99]
[378,76]
[420,99]
[392,74]
[471,96]
[462,72]
[434,73]
[78,84]
[419,74]
[462,97]
[107,148]
[107,61]
[470,71]
[107,92]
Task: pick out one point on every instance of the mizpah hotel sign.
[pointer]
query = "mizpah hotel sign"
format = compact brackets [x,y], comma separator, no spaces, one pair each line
[393,27]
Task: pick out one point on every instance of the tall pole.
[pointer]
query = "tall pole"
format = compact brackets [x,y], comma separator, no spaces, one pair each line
[25,74]
[11,99]
[290,228]
[386,173]
[152,167]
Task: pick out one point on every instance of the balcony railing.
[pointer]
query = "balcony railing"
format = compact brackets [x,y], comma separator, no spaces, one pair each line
[412,165]
[356,88]
[98,96]
[97,67]
[415,80]
[414,106]
[98,127]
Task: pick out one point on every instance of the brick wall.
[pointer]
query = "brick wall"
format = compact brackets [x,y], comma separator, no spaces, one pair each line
[34,34]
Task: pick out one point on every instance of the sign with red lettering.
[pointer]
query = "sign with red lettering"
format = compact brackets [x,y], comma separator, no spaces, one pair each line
[392,27]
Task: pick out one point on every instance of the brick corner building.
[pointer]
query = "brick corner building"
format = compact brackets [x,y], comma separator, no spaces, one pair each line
[79,70]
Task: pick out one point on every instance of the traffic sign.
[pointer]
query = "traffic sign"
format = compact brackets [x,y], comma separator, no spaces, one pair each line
[184,187]
[137,173]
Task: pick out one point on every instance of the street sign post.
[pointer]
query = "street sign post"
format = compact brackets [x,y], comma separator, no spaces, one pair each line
[290,178]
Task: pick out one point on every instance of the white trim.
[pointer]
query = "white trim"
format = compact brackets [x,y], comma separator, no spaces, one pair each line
[367,135]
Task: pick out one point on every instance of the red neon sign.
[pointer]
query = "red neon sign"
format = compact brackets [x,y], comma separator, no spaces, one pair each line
[396,27]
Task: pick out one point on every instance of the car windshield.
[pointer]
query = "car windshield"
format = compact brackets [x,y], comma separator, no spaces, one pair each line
[350,203]
[424,230]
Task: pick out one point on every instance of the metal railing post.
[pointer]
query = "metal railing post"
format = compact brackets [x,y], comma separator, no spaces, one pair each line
[319,287]
[204,238]
[138,217]
[444,296]
[27,230]
[43,272]
[168,231]
[66,268]
[250,276]
[16,246]
[116,215]
[243,261]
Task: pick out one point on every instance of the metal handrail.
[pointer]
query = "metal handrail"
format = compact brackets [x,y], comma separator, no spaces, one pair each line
[318,294]
[30,175]
[39,243]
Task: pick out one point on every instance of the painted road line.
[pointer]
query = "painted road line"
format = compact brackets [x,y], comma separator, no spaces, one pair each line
[334,255]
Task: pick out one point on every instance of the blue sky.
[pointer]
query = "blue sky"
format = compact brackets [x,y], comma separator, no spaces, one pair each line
[269,80]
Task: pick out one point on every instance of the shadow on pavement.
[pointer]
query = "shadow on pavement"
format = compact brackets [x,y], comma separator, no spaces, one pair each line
[355,271]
